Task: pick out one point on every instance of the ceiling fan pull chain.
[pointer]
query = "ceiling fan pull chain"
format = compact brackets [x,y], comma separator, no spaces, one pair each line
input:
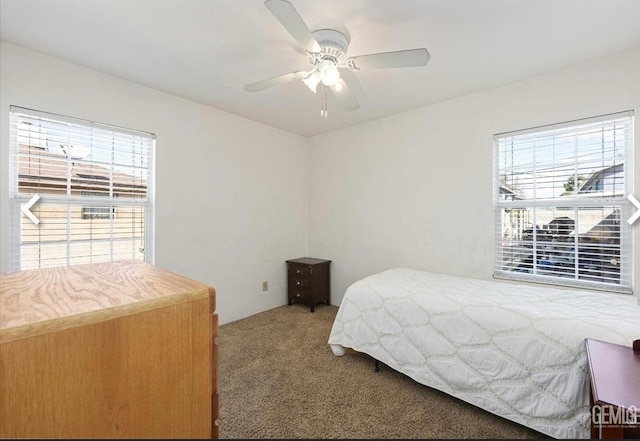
[323,111]
[324,101]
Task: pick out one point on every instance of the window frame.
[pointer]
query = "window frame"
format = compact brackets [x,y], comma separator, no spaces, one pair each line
[578,202]
[73,198]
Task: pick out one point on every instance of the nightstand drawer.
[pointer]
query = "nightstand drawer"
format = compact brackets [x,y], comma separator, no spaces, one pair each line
[300,295]
[300,272]
[299,284]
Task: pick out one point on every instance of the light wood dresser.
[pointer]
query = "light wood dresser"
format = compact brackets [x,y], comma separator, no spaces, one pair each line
[107,350]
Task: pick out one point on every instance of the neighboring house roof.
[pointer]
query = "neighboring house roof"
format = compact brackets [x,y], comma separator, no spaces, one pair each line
[589,186]
[508,193]
[39,168]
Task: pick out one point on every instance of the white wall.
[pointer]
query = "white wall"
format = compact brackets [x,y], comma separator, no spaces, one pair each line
[415,189]
[227,213]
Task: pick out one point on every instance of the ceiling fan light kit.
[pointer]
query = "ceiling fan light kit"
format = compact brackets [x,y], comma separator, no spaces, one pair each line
[312,81]
[328,72]
[327,51]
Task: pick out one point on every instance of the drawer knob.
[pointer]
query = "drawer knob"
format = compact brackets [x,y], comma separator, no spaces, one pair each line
[298,271]
[298,282]
[298,294]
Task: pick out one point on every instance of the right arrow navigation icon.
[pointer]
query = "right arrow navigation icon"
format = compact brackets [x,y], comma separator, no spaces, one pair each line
[635,202]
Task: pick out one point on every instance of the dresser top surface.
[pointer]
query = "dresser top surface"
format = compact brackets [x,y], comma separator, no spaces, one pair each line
[615,373]
[32,300]
[308,261]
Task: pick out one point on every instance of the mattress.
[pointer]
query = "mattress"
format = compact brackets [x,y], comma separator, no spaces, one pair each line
[515,350]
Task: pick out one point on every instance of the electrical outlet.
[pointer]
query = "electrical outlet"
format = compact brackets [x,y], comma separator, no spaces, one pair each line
[265,286]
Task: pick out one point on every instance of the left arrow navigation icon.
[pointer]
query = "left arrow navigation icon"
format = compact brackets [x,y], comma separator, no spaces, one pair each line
[26,209]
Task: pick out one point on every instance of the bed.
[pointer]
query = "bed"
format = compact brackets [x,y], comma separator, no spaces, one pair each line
[515,350]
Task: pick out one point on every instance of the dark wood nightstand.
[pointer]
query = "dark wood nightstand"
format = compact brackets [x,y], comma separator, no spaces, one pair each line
[308,281]
[615,389]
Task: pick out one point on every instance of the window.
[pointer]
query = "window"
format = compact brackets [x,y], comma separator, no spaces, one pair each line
[78,174]
[560,203]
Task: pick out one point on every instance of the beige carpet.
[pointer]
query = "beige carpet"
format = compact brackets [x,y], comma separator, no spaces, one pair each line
[279,379]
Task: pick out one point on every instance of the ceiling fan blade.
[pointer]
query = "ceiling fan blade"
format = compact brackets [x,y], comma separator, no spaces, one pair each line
[383,60]
[344,95]
[275,81]
[293,23]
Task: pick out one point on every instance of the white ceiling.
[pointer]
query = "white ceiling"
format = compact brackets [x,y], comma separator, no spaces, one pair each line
[207,50]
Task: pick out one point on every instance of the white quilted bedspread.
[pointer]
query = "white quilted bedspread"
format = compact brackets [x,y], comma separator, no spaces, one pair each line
[514,350]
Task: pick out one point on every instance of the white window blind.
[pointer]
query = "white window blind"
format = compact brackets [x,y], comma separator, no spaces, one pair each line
[560,203]
[95,189]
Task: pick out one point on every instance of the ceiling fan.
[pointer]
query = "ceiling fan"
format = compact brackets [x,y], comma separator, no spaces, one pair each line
[327,51]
